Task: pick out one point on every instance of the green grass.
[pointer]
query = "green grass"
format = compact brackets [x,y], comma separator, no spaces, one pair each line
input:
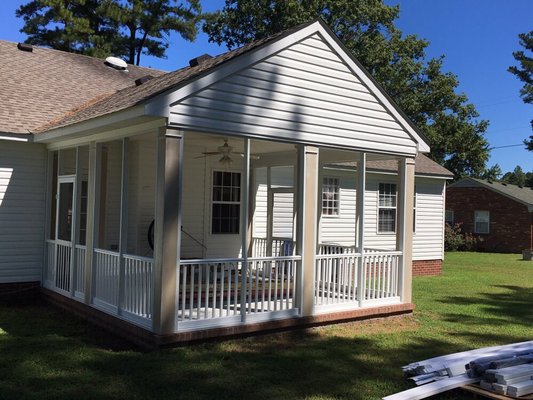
[480,300]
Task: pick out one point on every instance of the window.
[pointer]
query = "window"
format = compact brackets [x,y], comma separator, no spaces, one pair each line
[387,208]
[226,206]
[482,221]
[330,196]
[448,217]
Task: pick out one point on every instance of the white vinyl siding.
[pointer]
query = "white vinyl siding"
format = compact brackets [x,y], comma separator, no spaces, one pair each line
[306,94]
[22,211]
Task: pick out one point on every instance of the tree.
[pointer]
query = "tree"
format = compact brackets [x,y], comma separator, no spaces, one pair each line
[492,174]
[397,62]
[524,72]
[124,28]
[517,177]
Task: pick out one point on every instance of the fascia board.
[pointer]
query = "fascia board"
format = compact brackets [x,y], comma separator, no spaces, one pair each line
[79,129]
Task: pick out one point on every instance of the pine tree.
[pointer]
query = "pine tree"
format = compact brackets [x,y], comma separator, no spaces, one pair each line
[123,28]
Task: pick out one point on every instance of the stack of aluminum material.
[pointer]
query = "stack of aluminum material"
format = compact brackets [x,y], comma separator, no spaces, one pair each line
[512,381]
[443,373]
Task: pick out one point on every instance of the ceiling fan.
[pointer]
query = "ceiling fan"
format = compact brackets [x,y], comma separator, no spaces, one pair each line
[226,151]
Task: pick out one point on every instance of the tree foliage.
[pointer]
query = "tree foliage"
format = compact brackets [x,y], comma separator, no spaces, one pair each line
[524,72]
[419,85]
[492,174]
[123,28]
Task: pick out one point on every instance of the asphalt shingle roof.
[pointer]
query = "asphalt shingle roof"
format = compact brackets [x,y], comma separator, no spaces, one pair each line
[423,166]
[39,86]
[522,194]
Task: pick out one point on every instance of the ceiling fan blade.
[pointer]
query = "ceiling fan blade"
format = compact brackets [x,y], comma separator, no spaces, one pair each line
[252,156]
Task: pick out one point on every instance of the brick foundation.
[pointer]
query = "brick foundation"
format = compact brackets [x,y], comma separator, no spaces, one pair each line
[427,267]
[149,340]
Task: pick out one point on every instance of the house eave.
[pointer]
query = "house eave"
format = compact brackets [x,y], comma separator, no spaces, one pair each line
[115,120]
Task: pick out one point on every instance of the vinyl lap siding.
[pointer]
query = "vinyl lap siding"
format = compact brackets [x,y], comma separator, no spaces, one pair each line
[22,211]
[304,93]
[428,238]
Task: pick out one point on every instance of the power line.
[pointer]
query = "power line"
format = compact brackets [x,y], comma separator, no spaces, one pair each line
[509,145]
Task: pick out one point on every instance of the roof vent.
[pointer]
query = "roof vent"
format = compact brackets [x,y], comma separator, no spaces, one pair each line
[25,47]
[194,62]
[142,79]
[116,63]
[520,186]
[504,184]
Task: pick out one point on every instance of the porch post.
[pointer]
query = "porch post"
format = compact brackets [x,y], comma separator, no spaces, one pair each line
[404,236]
[360,225]
[74,234]
[167,235]
[93,211]
[308,183]
[123,230]
[244,228]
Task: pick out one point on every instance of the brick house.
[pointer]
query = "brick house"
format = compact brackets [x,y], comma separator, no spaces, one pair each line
[501,214]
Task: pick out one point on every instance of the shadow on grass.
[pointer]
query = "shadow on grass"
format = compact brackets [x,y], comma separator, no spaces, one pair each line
[46,355]
[512,305]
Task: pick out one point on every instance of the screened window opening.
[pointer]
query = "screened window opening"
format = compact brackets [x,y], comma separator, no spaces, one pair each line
[226,207]
[330,196]
[482,222]
[387,208]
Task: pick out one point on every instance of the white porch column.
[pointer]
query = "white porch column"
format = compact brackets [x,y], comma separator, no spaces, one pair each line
[308,184]
[167,235]
[74,233]
[360,225]
[93,211]
[123,230]
[404,236]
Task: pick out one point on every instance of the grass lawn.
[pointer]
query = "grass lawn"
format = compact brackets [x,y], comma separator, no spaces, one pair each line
[479,300]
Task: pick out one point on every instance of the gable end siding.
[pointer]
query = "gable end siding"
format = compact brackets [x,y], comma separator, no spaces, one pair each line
[304,93]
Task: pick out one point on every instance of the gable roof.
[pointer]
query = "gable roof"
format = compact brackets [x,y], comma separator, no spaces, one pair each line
[424,166]
[155,92]
[44,84]
[523,195]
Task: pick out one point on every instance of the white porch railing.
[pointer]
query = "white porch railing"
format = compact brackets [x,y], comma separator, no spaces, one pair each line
[221,292]
[79,287]
[342,282]
[59,257]
[334,248]
[138,285]
[276,247]
[106,270]
[135,302]
[381,271]
[336,278]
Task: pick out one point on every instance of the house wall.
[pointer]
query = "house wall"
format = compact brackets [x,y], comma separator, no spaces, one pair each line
[303,94]
[22,211]
[510,221]
[428,243]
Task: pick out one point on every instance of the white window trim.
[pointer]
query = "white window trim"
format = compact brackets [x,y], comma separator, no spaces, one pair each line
[389,233]
[211,201]
[339,209]
[488,222]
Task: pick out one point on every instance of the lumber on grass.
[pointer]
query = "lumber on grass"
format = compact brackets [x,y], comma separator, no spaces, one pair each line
[421,392]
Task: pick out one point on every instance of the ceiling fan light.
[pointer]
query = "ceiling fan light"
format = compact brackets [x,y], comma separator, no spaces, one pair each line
[225,160]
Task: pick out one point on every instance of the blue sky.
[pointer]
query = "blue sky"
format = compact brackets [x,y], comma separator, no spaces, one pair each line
[477,38]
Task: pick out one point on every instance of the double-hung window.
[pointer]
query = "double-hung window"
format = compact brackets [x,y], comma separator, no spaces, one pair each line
[449,217]
[226,202]
[387,208]
[330,196]
[482,221]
